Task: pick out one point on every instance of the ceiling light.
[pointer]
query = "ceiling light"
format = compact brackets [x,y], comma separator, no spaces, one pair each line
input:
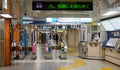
[58,23]
[63,27]
[27,18]
[5,15]
[98,24]
[111,13]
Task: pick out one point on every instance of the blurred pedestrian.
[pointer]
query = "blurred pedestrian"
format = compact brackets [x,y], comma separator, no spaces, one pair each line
[61,38]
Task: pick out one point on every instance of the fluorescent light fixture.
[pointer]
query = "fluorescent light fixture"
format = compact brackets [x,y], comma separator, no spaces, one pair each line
[27,18]
[58,23]
[48,19]
[98,24]
[111,13]
[51,19]
[5,15]
[63,27]
[27,22]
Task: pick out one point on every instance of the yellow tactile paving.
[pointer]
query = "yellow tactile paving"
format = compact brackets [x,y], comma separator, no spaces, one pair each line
[72,51]
[106,68]
[77,64]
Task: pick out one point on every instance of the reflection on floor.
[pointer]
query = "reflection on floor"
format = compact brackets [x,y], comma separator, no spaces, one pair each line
[72,63]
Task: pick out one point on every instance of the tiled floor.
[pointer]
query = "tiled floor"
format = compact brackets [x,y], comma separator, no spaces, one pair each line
[57,64]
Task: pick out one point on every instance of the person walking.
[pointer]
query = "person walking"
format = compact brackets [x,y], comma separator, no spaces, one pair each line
[57,38]
[61,38]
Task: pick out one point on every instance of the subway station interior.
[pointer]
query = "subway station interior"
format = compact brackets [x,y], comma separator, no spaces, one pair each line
[59,34]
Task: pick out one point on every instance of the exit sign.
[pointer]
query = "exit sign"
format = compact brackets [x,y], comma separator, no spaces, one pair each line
[82,6]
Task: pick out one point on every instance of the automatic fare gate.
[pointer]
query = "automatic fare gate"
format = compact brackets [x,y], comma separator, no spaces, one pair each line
[2,47]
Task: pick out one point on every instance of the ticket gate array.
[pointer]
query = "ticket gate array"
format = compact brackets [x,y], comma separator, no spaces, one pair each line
[60,49]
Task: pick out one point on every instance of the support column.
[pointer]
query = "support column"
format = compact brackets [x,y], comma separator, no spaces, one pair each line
[7,35]
[7,42]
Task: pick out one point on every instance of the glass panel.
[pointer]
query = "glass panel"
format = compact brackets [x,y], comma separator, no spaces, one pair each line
[115,22]
[107,25]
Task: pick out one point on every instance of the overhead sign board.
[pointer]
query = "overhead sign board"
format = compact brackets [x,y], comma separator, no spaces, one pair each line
[69,20]
[82,6]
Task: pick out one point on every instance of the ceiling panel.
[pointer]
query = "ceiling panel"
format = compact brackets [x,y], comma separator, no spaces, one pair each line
[65,0]
[54,13]
[100,6]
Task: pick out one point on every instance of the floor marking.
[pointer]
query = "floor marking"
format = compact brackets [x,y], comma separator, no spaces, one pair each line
[77,64]
[106,68]
[72,52]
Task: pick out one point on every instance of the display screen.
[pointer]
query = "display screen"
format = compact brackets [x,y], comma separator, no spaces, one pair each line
[40,5]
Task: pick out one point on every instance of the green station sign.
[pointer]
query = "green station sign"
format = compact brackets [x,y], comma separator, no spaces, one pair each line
[38,5]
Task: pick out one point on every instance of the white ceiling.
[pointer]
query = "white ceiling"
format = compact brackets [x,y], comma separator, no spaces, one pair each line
[99,7]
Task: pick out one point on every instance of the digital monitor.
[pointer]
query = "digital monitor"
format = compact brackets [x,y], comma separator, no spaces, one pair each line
[43,5]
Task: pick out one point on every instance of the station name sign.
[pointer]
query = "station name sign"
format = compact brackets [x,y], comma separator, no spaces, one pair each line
[82,6]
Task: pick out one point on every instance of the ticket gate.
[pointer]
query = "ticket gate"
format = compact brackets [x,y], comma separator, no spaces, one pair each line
[63,51]
[48,53]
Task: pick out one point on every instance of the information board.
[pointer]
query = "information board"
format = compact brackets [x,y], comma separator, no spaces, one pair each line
[112,42]
[82,6]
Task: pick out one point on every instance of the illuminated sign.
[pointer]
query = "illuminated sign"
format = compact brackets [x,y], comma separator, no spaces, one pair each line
[27,18]
[67,20]
[38,5]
